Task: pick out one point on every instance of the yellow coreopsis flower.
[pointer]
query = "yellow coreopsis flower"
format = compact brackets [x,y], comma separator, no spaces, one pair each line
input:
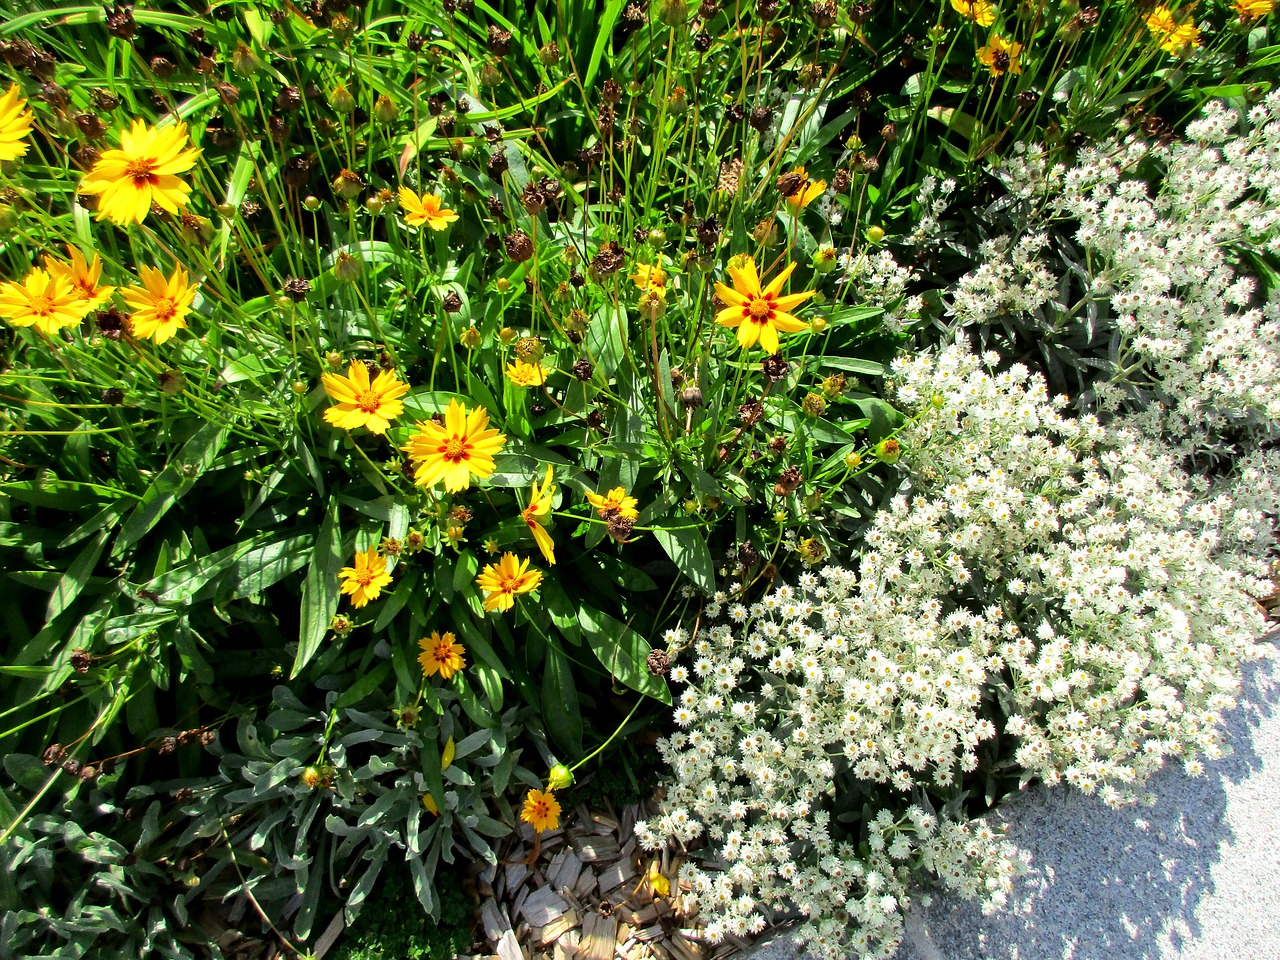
[758,312]
[364,581]
[1173,37]
[541,810]
[526,374]
[81,277]
[1253,9]
[42,300]
[15,124]
[504,580]
[425,209]
[446,760]
[160,306]
[810,190]
[540,499]
[615,503]
[649,275]
[144,170]
[979,11]
[453,452]
[361,403]
[442,655]
[1000,55]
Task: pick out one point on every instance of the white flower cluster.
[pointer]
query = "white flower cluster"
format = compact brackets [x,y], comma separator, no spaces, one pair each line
[1035,593]
[876,278]
[1195,341]
[1011,279]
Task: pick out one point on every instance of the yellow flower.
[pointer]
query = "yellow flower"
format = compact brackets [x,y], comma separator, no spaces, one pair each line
[446,758]
[160,305]
[503,580]
[1000,55]
[464,445]
[810,190]
[361,403]
[526,374]
[649,275]
[143,171]
[759,313]
[979,11]
[540,506]
[1247,9]
[81,277]
[41,299]
[443,655]
[542,810]
[615,502]
[366,579]
[1174,37]
[15,124]
[425,209]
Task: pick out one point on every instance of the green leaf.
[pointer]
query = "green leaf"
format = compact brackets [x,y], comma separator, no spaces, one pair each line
[560,702]
[174,481]
[263,566]
[685,546]
[623,652]
[77,575]
[320,588]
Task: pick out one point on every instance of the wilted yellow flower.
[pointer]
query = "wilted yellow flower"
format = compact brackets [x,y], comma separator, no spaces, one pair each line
[426,208]
[758,312]
[615,502]
[144,170]
[504,580]
[1000,55]
[160,306]
[365,580]
[809,191]
[15,124]
[540,499]
[361,403]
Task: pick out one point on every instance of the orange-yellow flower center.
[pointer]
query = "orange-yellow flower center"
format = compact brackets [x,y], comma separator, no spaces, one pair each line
[760,310]
[165,308]
[368,402]
[443,651]
[41,305]
[140,170]
[455,450]
[364,576]
[540,810]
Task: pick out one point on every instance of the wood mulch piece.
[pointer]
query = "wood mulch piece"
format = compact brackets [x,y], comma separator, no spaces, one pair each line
[587,896]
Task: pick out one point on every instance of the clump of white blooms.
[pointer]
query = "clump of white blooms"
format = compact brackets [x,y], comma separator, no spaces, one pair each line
[1012,279]
[1196,357]
[1039,563]
[877,279]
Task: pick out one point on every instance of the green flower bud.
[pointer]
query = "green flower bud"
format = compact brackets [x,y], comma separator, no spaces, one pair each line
[560,777]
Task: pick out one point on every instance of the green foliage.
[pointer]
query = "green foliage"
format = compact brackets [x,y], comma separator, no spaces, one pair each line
[390,927]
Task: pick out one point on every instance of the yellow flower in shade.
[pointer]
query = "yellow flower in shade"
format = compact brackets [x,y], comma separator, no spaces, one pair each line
[1173,37]
[42,300]
[615,503]
[442,655]
[1247,10]
[810,190]
[365,580]
[979,11]
[1000,55]
[649,275]
[160,305]
[540,498]
[452,452]
[361,403]
[15,124]
[143,171]
[541,809]
[81,277]
[446,759]
[503,580]
[425,209]
[526,374]
[759,312]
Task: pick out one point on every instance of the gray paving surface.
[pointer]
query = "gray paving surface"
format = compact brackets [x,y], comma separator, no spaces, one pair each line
[1196,877]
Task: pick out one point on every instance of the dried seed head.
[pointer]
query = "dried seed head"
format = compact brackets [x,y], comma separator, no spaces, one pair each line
[289,98]
[814,405]
[171,383]
[549,54]
[748,555]
[519,246]
[751,413]
[120,22]
[823,13]
[788,481]
[499,41]
[583,369]
[415,42]
[760,119]
[53,754]
[608,259]
[658,663]
[111,323]
[113,396]
[296,289]
[81,660]
[789,184]
[347,184]
[619,526]
[774,367]
[691,398]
